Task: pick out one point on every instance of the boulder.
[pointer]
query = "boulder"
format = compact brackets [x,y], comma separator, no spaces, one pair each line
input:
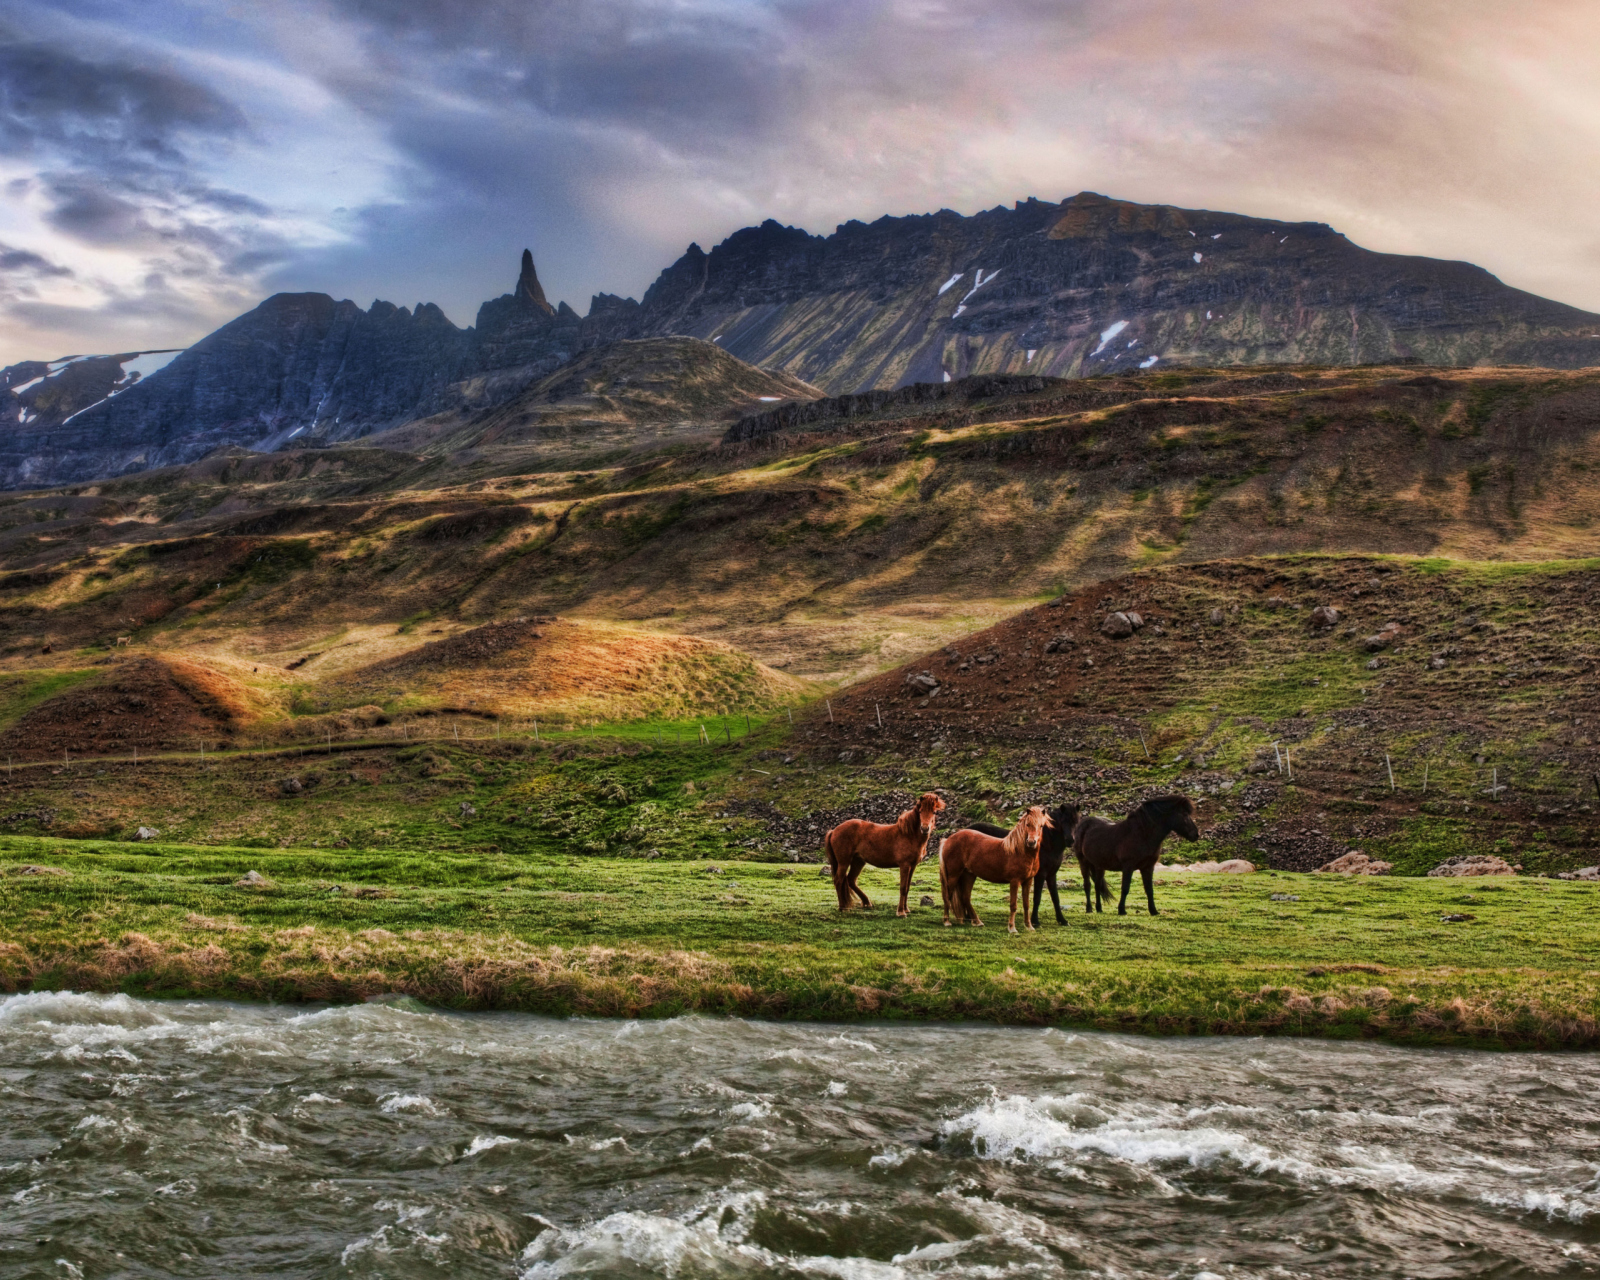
[291,786]
[1137,619]
[1117,625]
[1582,873]
[1481,864]
[1378,640]
[1233,866]
[921,682]
[1324,616]
[1356,863]
[927,902]
[146,833]
[252,880]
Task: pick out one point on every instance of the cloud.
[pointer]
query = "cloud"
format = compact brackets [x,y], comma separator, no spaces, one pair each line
[410,148]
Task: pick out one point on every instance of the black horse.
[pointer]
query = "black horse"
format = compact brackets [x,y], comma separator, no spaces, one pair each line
[1131,845]
[1054,842]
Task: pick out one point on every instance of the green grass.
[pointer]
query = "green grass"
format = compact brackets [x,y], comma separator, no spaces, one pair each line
[22,691]
[1351,957]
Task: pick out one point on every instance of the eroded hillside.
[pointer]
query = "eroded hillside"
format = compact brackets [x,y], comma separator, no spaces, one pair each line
[827,548]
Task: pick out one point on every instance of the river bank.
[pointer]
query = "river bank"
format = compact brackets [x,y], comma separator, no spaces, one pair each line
[1334,956]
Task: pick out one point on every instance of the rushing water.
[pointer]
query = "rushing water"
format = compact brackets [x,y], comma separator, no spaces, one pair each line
[211,1139]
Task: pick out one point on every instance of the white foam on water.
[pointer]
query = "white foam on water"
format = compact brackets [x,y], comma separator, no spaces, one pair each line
[322,1097]
[837,1089]
[712,1239]
[891,1159]
[950,283]
[1106,335]
[412,1103]
[487,1143]
[1043,1128]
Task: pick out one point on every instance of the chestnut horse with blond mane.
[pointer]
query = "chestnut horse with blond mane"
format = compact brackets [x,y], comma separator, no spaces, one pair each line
[857,843]
[968,855]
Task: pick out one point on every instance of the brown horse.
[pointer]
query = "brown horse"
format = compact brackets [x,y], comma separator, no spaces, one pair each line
[1053,846]
[1131,845]
[852,845]
[969,854]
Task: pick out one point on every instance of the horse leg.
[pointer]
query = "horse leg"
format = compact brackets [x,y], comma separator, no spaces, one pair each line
[1088,886]
[856,864]
[1055,897]
[1102,891]
[1127,883]
[944,892]
[1149,876]
[1027,887]
[1038,891]
[1011,920]
[841,882]
[905,889]
[967,882]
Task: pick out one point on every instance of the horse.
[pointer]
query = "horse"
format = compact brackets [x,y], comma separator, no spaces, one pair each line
[853,844]
[1131,845]
[1014,860]
[1053,845]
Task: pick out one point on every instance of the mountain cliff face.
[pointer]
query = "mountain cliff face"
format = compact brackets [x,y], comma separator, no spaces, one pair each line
[1088,286]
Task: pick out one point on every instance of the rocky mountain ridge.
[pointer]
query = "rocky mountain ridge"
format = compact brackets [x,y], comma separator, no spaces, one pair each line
[1085,287]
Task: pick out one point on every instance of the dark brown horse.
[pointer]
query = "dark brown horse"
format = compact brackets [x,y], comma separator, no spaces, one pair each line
[854,844]
[967,855]
[1131,845]
[1053,845]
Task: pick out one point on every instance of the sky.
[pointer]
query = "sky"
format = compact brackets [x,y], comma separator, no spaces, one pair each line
[166,164]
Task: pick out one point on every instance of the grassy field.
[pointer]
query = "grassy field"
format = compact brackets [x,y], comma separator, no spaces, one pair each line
[640,937]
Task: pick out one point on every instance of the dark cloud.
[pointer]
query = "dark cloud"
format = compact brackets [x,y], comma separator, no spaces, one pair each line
[24,262]
[98,111]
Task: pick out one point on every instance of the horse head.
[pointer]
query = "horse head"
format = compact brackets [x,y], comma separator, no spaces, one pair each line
[1030,826]
[1064,818]
[1177,812]
[921,820]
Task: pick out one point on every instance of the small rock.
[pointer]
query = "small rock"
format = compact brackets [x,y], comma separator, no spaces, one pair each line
[1455,917]
[1058,642]
[921,681]
[1117,625]
[291,786]
[1436,662]
[1374,664]
[1217,617]
[467,810]
[33,869]
[1582,873]
[1324,616]
[252,880]
[927,902]
[845,757]
[1276,602]
[713,871]
[1379,640]
[1286,897]
[146,833]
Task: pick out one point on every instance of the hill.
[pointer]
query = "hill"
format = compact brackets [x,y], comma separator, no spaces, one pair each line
[828,549]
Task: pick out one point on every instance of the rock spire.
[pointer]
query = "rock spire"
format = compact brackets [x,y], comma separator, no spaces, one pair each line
[529,291]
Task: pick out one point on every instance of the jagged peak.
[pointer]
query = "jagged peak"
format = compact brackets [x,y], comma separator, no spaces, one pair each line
[529,291]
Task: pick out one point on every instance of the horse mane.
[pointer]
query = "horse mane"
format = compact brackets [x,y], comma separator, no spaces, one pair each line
[907,822]
[1164,806]
[1014,842]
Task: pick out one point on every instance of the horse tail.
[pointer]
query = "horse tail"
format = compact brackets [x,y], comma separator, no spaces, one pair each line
[828,854]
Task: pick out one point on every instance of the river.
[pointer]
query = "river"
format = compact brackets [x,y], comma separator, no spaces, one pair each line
[211,1139]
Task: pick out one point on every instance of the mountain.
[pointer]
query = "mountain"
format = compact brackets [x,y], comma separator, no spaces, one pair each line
[1085,287]
[1089,286]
